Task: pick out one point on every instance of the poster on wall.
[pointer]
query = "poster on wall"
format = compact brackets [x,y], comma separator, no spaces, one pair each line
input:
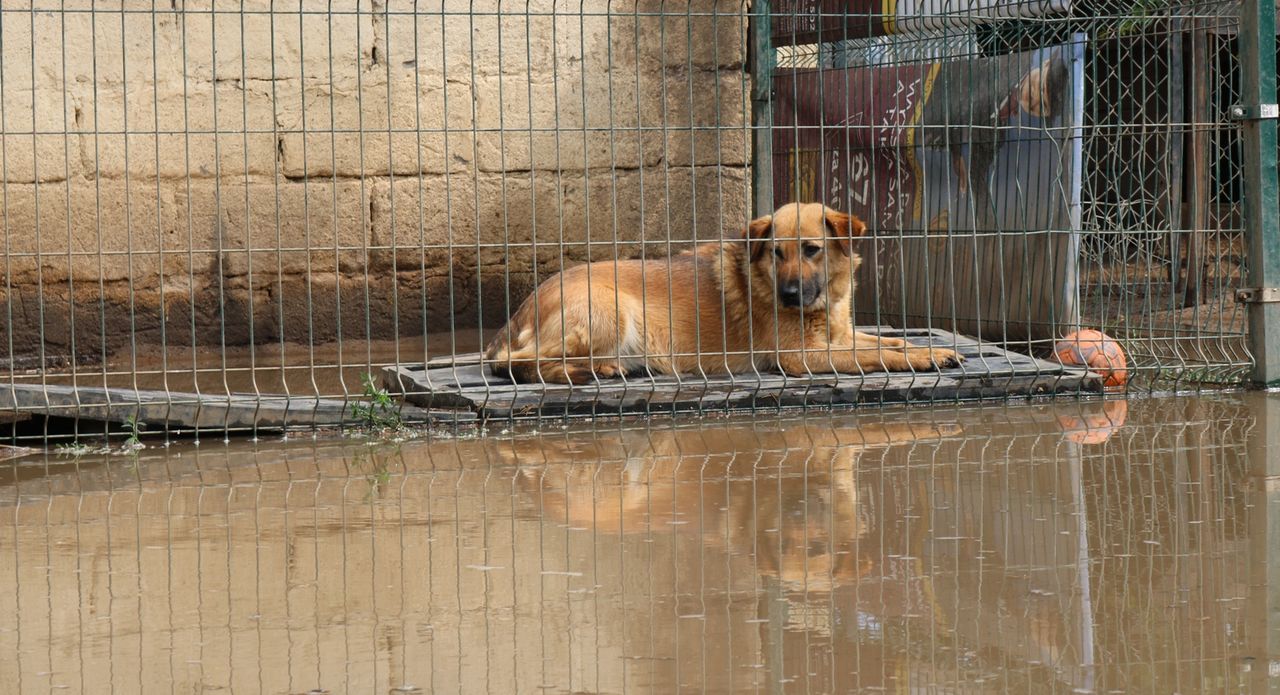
[967,173]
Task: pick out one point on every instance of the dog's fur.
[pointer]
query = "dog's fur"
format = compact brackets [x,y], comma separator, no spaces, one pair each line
[779,298]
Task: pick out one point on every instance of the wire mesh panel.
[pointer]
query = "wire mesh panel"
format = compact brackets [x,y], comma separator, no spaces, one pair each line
[1164,243]
[1033,170]
[245,214]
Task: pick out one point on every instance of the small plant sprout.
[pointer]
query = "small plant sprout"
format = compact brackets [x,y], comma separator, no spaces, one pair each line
[135,427]
[376,409]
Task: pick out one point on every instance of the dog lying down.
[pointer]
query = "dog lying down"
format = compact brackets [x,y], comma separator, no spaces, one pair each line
[777,299]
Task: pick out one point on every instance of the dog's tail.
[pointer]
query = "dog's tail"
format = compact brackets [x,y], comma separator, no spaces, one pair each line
[526,353]
[555,351]
[519,365]
[552,340]
[524,363]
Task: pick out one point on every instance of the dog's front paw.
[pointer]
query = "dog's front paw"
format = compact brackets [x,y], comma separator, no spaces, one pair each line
[924,359]
[946,359]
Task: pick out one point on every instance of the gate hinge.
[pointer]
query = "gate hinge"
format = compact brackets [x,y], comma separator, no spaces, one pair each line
[1254,112]
[1258,295]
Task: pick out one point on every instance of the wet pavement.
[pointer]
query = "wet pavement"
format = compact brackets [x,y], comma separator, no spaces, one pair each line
[1074,547]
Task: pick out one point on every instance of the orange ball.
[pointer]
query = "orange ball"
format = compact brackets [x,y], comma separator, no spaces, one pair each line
[1097,351]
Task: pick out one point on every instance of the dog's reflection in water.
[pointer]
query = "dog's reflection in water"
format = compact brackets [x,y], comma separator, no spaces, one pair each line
[786,497]
[852,534]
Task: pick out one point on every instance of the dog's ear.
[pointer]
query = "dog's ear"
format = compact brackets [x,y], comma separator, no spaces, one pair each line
[844,228]
[1035,95]
[757,232]
[1032,97]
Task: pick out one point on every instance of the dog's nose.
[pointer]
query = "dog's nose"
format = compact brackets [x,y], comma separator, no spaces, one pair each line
[790,294]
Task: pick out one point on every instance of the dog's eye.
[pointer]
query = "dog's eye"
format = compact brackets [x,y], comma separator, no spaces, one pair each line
[777,251]
[811,250]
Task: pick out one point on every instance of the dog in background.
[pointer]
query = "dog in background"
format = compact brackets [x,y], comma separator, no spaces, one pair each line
[779,298]
[972,106]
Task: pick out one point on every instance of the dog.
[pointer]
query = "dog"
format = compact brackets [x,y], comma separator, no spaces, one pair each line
[778,298]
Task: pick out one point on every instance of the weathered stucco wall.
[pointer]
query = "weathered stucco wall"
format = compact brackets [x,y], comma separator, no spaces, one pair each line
[361,167]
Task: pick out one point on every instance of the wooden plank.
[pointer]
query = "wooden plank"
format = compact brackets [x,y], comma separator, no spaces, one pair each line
[9,417]
[168,409]
[9,452]
[1189,264]
[989,372]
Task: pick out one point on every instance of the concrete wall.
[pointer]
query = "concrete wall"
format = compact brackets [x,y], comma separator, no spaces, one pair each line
[230,166]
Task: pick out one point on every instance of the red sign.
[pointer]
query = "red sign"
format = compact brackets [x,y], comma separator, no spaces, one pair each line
[846,137]
[964,169]
[796,22]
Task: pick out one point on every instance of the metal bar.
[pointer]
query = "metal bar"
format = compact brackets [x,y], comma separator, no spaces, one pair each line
[1263,454]
[1261,197]
[761,60]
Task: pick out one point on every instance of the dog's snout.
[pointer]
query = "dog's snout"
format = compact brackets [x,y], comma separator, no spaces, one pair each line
[797,293]
[791,294]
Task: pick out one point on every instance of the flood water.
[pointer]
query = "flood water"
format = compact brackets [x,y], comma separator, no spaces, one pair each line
[1065,548]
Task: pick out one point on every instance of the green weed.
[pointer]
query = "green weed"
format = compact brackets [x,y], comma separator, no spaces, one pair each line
[135,428]
[376,410]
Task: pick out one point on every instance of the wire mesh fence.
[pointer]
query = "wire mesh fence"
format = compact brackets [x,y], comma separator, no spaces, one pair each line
[1146,242]
[248,215]
[1084,547]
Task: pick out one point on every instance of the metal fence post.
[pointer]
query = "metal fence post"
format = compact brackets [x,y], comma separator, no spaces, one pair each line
[1263,449]
[762,61]
[1258,111]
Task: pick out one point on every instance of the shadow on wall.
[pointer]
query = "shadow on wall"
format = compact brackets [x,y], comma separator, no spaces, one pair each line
[452,268]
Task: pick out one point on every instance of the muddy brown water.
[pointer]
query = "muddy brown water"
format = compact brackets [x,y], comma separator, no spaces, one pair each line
[1074,547]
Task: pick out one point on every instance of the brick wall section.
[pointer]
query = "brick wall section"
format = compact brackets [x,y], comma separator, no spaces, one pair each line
[271,173]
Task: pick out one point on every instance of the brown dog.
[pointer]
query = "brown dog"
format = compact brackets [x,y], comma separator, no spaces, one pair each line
[777,299]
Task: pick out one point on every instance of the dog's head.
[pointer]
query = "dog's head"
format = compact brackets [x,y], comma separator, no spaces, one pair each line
[1042,91]
[813,539]
[803,252]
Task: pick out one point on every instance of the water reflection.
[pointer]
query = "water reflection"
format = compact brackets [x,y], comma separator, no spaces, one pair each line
[1027,549]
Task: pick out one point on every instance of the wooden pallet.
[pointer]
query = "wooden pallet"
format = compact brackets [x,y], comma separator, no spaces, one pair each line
[218,412]
[988,372]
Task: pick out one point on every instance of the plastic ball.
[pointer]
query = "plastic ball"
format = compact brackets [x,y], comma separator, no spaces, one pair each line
[1097,351]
